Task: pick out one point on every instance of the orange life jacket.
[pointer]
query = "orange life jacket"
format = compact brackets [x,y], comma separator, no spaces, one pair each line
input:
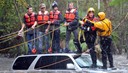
[42,18]
[70,15]
[54,16]
[30,19]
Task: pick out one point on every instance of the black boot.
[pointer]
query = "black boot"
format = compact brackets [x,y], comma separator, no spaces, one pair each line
[104,67]
[93,66]
[77,44]
[112,68]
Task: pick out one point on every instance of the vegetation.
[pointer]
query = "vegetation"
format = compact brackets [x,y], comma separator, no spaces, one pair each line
[12,12]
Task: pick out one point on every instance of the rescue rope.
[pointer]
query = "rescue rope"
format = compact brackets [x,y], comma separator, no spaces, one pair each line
[2,49]
[14,34]
[121,22]
[7,39]
[8,35]
[50,49]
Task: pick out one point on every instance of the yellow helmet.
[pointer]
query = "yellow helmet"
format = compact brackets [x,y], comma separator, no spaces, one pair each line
[91,9]
[101,15]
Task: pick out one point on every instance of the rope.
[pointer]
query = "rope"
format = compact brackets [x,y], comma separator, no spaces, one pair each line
[7,39]
[2,49]
[121,22]
[8,34]
[14,35]
[50,49]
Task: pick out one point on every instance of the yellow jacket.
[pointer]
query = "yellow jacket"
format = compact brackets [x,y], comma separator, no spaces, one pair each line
[104,26]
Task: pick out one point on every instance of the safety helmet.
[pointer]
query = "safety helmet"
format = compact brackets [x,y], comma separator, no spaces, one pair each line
[54,4]
[101,15]
[91,9]
[42,5]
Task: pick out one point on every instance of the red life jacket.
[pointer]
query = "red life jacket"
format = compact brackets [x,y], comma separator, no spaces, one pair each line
[94,20]
[70,15]
[54,16]
[30,19]
[42,18]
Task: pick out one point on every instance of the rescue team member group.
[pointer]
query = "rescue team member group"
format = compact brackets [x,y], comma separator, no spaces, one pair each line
[50,22]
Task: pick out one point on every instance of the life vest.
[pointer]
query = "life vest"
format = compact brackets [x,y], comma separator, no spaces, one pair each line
[42,18]
[30,19]
[93,20]
[54,16]
[70,15]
